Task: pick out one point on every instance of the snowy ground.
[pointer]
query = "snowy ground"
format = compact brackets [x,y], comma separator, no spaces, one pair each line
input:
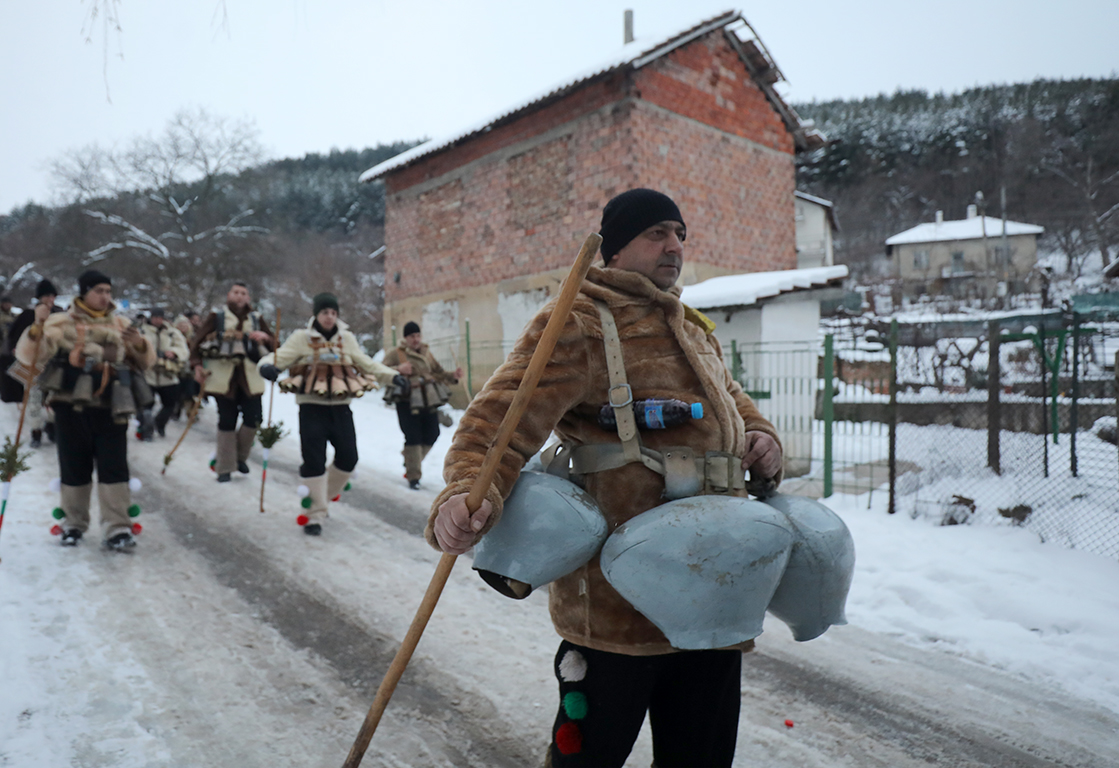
[230,638]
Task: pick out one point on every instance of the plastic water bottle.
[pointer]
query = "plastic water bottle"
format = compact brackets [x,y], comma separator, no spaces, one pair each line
[653,414]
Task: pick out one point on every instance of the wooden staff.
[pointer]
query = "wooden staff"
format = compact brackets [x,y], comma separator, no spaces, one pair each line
[465,379]
[32,372]
[490,464]
[191,418]
[271,396]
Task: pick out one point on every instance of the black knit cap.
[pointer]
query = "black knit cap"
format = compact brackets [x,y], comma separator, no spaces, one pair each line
[45,288]
[411,327]
[157,312]
[324,301]
[90,278]
[629,214]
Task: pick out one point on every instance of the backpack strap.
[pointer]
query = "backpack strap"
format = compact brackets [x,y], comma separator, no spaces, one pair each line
[620,394]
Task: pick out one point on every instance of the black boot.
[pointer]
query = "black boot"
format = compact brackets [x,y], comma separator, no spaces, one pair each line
[36,438]
[224,477]
[243,467]
[312,529]
[71,537]
[122,542]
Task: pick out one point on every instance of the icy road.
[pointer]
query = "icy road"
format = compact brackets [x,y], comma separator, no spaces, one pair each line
[229,638]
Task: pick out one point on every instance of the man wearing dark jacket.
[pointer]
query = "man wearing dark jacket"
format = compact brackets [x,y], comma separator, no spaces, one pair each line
[38,417]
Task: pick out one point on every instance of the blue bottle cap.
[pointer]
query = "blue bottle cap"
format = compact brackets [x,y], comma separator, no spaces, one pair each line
[697,410]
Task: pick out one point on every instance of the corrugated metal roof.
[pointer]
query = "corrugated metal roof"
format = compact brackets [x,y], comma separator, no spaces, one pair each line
[636,55]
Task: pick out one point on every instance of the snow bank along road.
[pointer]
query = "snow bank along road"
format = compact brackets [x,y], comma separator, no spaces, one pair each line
[230,638]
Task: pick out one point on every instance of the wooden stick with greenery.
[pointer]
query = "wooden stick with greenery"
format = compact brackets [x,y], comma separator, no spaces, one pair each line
[268,436]
[12,462]
[191,418]
[273,433]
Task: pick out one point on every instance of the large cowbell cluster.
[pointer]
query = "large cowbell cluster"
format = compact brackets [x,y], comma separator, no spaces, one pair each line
[703,569]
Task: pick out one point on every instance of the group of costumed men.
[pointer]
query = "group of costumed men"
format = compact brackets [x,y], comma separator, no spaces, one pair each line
[97,370]
[628,331]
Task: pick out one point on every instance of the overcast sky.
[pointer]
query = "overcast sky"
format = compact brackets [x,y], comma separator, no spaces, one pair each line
[317,74]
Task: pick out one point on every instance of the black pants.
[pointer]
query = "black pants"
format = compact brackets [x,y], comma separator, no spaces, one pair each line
[86,438]
[320,424]
[419,428]
[168,399]
[692,697]
[249,406]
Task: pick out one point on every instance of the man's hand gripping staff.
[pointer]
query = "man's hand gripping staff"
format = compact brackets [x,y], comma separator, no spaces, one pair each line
[473,502]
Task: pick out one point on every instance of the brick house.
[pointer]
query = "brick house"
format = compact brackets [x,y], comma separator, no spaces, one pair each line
[483,224]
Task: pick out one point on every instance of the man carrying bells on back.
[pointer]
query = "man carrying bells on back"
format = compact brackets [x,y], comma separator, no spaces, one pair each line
[223,354]
[612,661]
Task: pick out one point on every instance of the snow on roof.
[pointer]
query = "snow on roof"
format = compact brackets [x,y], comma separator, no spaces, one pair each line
[963,229]
[636,54]
[813,199]
[744,290]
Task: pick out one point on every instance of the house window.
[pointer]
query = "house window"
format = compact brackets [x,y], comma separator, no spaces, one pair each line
[957,261]
[1002,255]
[921,260]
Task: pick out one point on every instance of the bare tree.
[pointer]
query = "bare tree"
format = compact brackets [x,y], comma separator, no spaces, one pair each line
[104,16]
[1096,192]
[177,226]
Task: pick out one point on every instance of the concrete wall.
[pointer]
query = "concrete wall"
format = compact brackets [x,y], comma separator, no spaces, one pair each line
[777,345]
[813,235]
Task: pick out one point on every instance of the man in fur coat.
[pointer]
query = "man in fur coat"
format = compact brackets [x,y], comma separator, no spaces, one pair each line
[418,415]
[223,355]
[613,664]
[93,353]
[329,369]
[171,356]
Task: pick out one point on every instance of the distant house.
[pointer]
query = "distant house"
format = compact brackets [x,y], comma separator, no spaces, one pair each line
[484,223]
[769,326]
[968,258]
[815,230]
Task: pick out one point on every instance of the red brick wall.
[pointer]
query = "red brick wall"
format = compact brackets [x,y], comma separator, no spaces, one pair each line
[511,203]
[706,81]
[508,216]
[580,102]
[737,200]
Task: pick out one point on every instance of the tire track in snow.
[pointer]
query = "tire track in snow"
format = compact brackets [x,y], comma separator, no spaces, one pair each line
[461,721]
[903,732]
[866,725]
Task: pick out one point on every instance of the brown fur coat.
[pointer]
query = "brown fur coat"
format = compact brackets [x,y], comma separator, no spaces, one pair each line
[666,355]
[103,342]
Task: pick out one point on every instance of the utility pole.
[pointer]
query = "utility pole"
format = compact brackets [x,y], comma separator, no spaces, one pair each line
[1005,245]
[981,204]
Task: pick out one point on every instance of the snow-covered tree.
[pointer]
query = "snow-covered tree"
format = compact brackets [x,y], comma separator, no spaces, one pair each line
[169,207]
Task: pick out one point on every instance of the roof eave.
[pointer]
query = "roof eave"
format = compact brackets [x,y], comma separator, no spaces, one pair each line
[753,54]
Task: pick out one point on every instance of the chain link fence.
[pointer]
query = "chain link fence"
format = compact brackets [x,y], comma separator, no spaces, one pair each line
[1011,421]
[1007,420]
